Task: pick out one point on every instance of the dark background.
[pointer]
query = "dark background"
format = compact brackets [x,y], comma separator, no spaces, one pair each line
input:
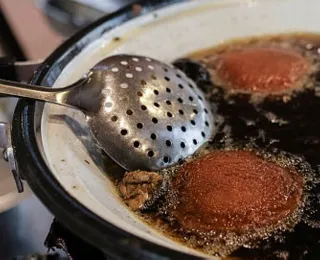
[31,30]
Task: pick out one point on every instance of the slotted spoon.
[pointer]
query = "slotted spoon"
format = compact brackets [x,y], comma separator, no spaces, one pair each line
[143,113]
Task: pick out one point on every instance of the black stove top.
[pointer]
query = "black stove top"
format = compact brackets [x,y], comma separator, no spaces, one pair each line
[23,229]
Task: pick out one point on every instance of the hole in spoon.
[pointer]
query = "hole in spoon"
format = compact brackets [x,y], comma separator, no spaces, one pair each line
[166,159]
[108,104]
[124,132]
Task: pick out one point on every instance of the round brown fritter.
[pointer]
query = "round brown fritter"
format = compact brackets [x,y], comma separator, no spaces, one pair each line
[233,191]
[262,70]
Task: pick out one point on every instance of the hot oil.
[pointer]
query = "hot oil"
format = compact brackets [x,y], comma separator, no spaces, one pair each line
[283,128]
[224,243]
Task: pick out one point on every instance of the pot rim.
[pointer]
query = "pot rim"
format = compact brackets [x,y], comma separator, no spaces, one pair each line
[34,169]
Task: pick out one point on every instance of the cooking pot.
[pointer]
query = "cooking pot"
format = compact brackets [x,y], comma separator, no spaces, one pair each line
[51,148]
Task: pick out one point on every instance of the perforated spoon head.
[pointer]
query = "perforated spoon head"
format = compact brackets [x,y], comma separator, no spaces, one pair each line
[149,115]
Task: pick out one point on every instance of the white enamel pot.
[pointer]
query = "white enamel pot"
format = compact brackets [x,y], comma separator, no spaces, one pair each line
[52,148]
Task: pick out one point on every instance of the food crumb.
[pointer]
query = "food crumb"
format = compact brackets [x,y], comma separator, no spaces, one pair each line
[136,9]
[139,187]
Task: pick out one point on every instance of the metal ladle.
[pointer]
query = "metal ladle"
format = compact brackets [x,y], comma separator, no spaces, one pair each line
[143,113]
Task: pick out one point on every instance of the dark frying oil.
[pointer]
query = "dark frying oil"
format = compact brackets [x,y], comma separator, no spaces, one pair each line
[288,122]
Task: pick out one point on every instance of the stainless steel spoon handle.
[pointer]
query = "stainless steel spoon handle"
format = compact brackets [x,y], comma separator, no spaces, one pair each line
[53,95]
